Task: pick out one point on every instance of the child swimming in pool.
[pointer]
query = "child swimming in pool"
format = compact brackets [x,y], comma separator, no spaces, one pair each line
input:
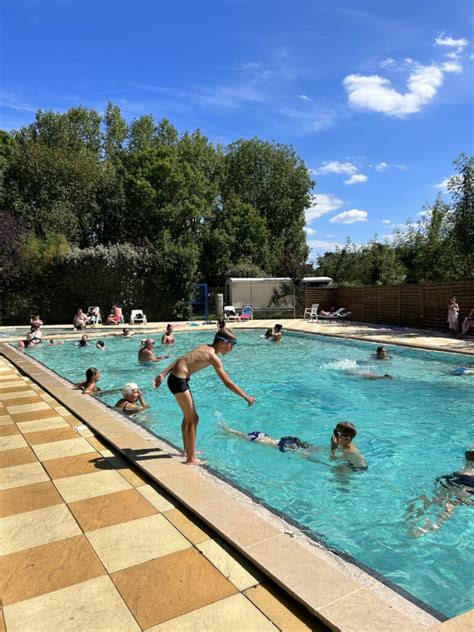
[284,444]
[342,447]
[451,491]
[179,373]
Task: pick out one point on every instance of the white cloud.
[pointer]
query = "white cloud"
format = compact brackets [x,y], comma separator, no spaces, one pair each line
[303,97]
[310,231]
[356,178]
[349,217]
[377,94]
[381,166]
[386,221]
[443,185]
[321,203]
[450,42]
[323,246]
[334,166]
[387,62]
[452,66]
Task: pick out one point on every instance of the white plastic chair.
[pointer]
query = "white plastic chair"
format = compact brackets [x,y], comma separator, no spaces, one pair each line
[137,316]
[311,313]
[230,313]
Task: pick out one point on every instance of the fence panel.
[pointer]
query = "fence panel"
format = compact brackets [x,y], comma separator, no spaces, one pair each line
[414,305]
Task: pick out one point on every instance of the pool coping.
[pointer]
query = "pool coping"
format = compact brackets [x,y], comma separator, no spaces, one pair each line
[329,586]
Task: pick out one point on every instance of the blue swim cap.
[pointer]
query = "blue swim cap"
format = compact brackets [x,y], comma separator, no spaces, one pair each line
[460,370]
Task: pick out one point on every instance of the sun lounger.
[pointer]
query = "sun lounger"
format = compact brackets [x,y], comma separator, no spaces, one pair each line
[339,315]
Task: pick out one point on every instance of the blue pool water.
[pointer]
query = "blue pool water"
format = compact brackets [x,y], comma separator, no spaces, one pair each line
[410,429]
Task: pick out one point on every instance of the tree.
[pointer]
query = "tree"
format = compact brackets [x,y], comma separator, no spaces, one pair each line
[461,188]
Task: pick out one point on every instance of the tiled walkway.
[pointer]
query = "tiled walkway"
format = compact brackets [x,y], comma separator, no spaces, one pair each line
[87,543]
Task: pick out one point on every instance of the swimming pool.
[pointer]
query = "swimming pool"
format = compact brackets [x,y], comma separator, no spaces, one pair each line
[410,430]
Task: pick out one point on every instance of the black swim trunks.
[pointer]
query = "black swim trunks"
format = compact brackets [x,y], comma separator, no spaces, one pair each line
[457,480]
[178,384]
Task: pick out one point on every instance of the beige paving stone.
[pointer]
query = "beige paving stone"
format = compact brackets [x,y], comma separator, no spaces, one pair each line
[91,606]
[228,565]
[188,526]
[362,611]
[8,429]
[171,586]
[234,614]
[48,436]
[19,456]
[87,463]
[42,424]
[192,488]
[9,397]
[48,567]
[296,566]
[462,623]
[23,401]
[60,449]
[12,442]
[28,408]
[104,511]
[18,387]
[26,530]
[21,499]
[134,477]
[158,500]
[20,475]
[33,415]
[136,541]
[84,486]
[5,420]
[286,614]
[97,444]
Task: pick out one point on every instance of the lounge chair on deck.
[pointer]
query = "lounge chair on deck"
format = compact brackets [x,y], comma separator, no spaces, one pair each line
[311,313]
[339,315]
[137,316]
[93,316]
[230,313]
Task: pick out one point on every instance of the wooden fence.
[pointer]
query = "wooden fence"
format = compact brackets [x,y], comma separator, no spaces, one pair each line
[423,305]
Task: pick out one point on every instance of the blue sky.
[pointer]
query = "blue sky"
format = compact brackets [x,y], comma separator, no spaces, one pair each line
[375,96]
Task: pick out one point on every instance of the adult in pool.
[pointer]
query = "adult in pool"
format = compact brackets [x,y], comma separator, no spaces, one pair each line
[146,354]
[132,399]
[179,373]
[451,491]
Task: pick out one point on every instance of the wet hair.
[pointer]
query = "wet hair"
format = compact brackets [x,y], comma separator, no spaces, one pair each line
[129,388]
[169,326]
[221,323]
[278,328]
[346,428]
[224,334]
[90,373]
[469,454]
[268,333]
[380,349]
[100,343]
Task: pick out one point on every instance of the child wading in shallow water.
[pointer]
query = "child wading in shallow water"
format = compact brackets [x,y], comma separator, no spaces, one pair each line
[179,373]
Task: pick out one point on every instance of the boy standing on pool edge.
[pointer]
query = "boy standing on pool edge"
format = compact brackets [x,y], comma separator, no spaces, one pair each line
[179,373]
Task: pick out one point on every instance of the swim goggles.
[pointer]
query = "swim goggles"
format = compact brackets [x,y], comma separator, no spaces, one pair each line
[231,342]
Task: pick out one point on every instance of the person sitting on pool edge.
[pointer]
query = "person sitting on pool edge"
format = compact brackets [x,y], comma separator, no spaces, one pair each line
[451,491]
[343,448]
[179,373]
[284,444]
[132,399]
[145,353]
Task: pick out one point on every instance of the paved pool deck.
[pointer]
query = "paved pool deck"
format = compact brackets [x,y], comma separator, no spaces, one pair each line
[103,528]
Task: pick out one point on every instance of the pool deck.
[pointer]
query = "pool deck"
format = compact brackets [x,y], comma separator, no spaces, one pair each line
[103,527]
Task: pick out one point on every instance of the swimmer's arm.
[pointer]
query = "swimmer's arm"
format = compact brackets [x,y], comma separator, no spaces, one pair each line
[160,357]
[161,376]
[225,379]
[236,433]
